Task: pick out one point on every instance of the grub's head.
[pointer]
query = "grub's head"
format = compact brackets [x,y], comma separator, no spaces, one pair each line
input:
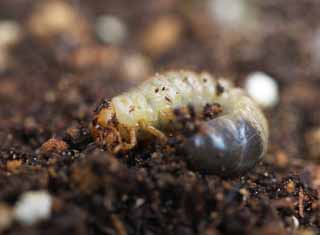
[104,126]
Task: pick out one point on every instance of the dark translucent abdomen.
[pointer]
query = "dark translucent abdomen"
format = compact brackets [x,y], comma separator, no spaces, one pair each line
[225,146]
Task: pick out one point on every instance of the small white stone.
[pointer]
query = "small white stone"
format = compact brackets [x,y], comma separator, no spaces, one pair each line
[235,14]
[32,207]
[263,89]
[111,29]
[139,202]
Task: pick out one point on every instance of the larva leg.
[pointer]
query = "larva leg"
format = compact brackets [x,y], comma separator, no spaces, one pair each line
[133,140]
[127,146]
[114,136]
[116,149]
[153,131]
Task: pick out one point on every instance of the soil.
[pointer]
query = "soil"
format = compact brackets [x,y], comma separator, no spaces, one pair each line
[56,79]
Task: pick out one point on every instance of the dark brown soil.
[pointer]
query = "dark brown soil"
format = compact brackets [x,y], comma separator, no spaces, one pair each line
[55,82]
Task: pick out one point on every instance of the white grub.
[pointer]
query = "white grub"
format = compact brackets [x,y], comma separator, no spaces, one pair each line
[263,89]
[32,207]
[150,107]
[233,14]
[111,29]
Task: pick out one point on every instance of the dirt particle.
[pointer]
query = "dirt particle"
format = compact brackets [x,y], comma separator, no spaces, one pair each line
[118,225]
[54,145]
[281,159]
[291,186]
[6,216]
[211,111]
[162,35]
[168,99]
[301,203]
[14,165]
[56,16]
[312,138]
[131,109]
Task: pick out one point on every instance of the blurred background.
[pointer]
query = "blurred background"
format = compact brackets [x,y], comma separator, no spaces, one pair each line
[59,58]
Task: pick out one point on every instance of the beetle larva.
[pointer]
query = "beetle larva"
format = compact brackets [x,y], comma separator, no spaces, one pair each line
[236,139]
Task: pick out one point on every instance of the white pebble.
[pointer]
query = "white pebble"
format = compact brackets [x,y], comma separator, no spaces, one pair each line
[139,202]
[235,14]
[32,207]
[263,89]
[111,29]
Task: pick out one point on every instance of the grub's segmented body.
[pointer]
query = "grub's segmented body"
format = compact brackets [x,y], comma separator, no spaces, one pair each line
[237,137]
[153,101]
